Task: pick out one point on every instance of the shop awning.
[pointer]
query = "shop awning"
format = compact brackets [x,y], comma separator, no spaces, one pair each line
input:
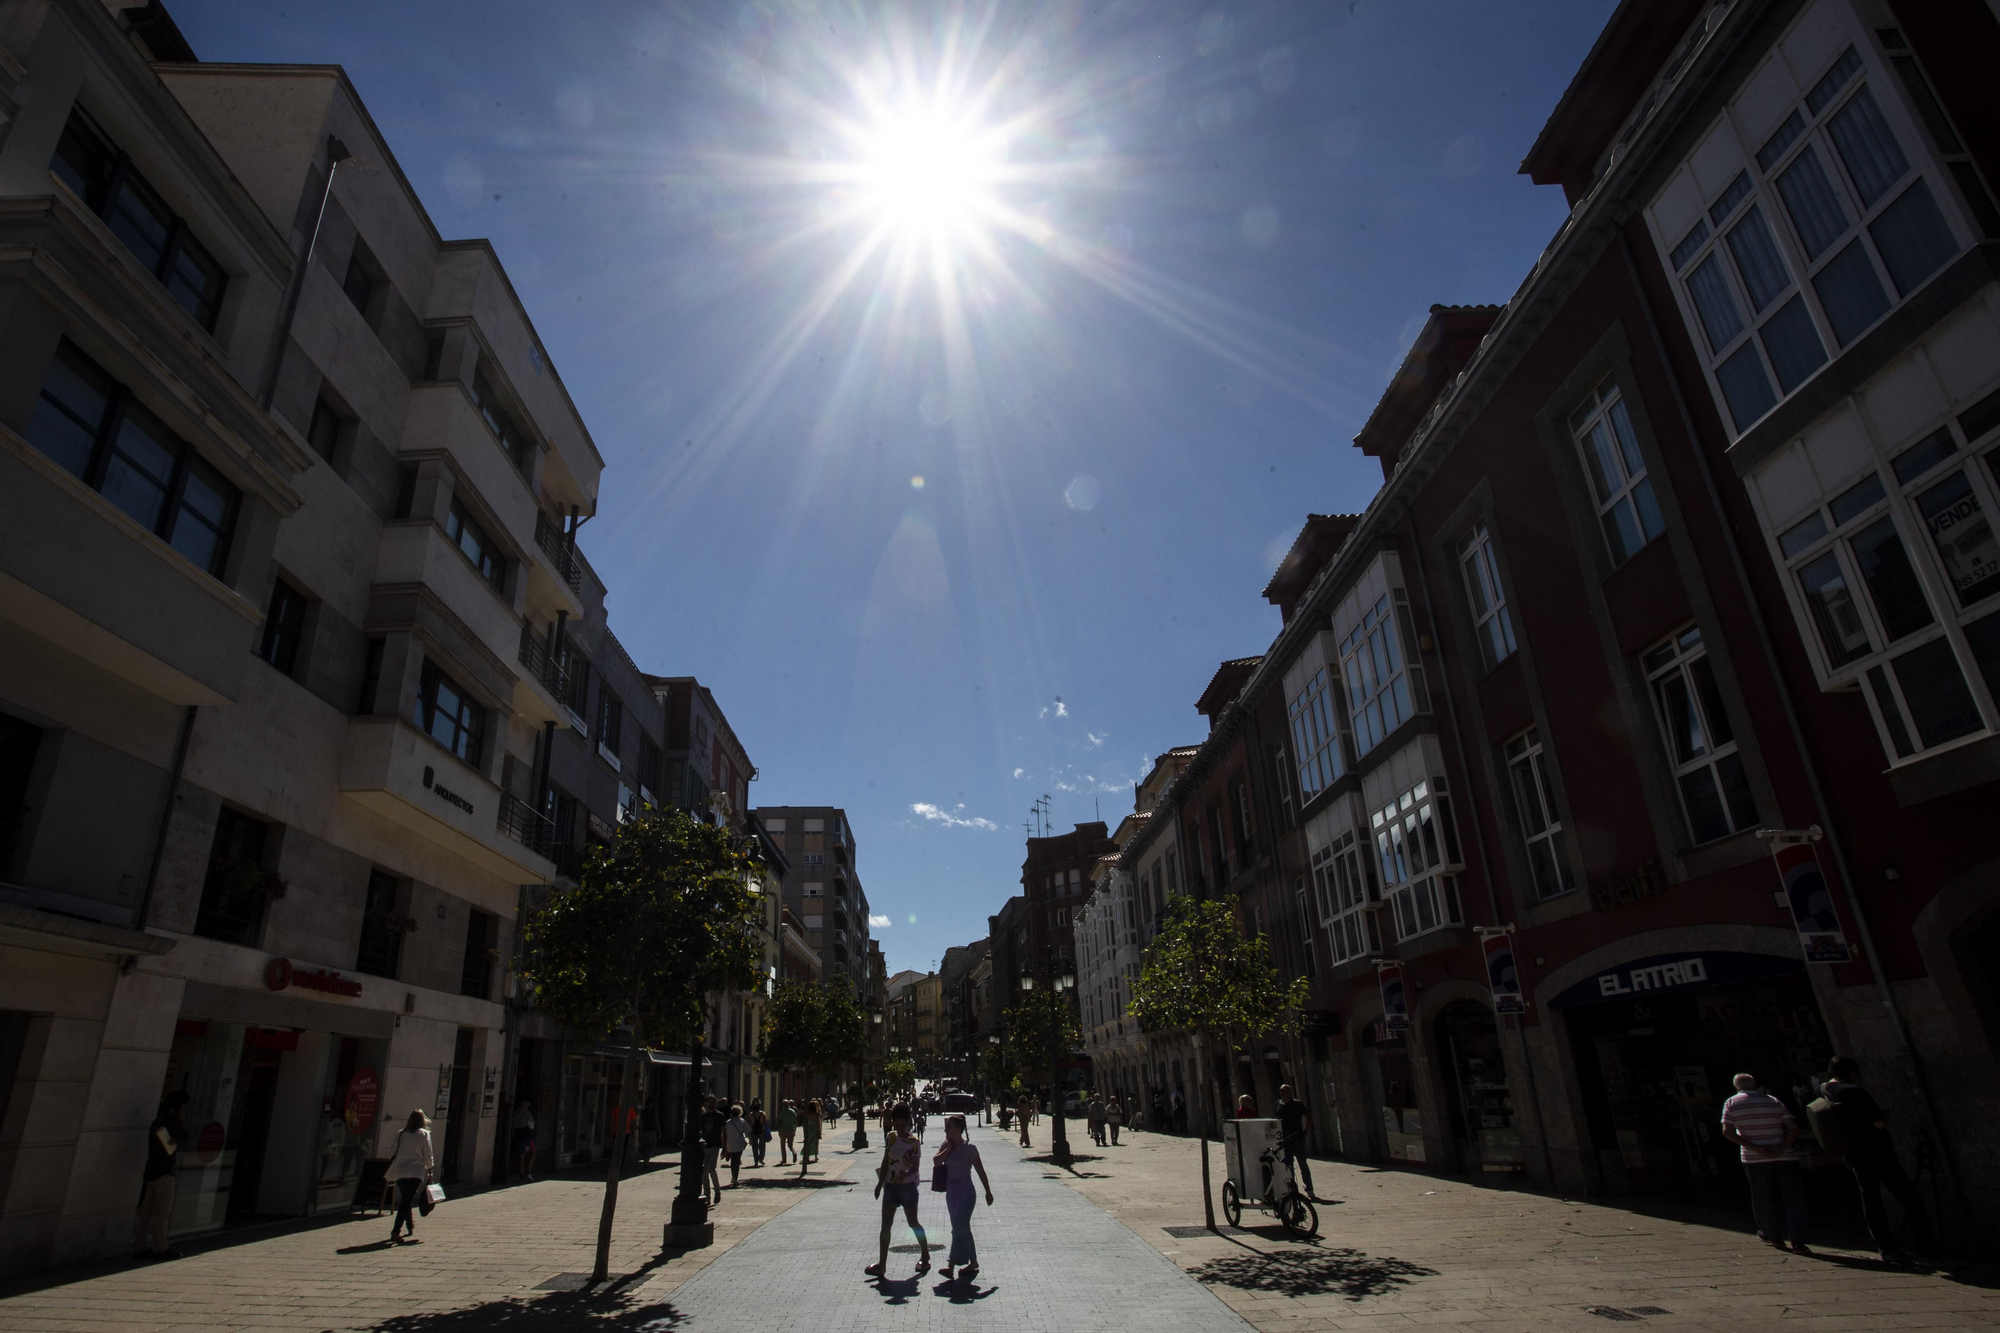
[652,1057]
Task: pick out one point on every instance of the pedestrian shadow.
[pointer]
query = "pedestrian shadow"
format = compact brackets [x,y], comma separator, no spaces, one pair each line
[788,1183]
[897,1291]
[1316,1272]
[370,1248]
[962,1293]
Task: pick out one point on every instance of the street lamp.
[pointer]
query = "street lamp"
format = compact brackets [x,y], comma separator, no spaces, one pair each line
[861,1102]
[1059,982]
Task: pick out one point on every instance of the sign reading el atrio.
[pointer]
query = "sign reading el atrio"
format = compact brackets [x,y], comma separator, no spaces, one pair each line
[279,974]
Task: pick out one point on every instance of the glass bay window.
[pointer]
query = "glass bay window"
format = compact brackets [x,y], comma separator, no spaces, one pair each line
[1834,218]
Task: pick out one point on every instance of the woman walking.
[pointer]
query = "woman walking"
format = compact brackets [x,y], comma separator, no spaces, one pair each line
[788,1125]
[1114,1116]
[960,1159]
[896,1187]
[410,1166]
[809,1150]
[760,1131]
[735,1138]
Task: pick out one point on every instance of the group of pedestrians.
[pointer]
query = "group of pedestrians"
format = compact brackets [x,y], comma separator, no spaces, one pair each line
[1105,1116]
[1850,1126]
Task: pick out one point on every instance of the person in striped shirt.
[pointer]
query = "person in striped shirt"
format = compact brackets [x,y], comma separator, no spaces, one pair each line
[1764,1130]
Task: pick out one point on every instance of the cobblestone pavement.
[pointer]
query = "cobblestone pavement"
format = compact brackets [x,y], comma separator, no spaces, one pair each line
[494,1260]
[1049,1260]
[1402,1248]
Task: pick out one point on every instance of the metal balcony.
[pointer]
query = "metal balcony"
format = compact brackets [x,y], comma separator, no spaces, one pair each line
[542,664]
[556,546]
[526,825]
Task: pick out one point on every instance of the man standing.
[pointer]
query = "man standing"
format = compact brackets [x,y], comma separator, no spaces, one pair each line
[788,1125]
[1765,1130]
[1871,1156]
[1293,1124]
[164,1138]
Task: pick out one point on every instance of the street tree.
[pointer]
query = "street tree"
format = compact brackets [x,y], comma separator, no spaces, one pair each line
[660,919]
[1201,973]
[814,1027]
[899,1077]
[1041,1030]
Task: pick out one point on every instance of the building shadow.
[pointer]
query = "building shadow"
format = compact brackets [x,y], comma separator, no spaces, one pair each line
[1316,1272]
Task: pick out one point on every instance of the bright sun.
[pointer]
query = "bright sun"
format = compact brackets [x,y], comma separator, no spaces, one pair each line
[927,173]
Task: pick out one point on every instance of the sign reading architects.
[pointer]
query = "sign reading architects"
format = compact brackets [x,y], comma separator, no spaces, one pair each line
[1671,972]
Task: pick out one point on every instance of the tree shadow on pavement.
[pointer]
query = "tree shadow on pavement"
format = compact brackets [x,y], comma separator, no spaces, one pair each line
[609,1308]
[1318,1272]
[788,1183]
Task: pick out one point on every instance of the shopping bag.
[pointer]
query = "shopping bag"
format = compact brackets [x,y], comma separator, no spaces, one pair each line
[433,1196]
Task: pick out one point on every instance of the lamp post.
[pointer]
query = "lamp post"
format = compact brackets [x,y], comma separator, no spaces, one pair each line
[986,1102]
[861,1102]
[1059,983]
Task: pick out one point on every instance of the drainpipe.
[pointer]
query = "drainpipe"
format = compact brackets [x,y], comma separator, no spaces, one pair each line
[542,769]
[1807,759]
[1479,838]
[336,153]
[166,817]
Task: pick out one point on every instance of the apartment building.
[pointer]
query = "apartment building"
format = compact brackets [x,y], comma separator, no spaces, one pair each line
[288,532]
[822,887]
[1637,732]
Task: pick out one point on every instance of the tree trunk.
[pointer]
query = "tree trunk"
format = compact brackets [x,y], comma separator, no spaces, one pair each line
[1201,1066]
[626,1096]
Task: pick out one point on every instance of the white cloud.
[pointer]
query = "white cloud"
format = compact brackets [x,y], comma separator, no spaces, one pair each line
[1061,709]
[951,818]
[1019,771]
[879,923]
[1095,740]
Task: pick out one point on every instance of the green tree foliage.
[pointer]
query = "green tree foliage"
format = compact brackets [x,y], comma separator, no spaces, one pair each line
[899,1077]
[994,1066]
[1203,974]
[1042,1025]
[660,919]
[815,1026]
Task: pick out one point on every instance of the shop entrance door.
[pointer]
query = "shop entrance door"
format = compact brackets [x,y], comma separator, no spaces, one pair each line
[1477,1098]
[1656,1069]
[458,1123]
[256,1093]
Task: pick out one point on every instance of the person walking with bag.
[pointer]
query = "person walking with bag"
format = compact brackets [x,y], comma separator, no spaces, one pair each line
[1114,1116]
[735,1138]
[896,1187]
[951,1173]
[410,1166]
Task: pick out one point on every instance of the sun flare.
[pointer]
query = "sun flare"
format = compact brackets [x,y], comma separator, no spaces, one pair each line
[928,173]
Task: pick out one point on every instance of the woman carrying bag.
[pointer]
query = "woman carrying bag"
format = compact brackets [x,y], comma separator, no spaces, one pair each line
[410,1166]
[951,1173]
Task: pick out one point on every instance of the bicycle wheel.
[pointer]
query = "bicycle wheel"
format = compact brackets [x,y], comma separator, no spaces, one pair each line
[1232,1203]
[1298,1215]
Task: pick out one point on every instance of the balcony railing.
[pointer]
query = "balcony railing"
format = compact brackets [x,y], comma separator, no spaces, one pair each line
[552,541]
[542,664]
[526,825]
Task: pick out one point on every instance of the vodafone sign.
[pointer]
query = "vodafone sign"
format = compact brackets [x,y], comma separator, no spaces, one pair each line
[279,974]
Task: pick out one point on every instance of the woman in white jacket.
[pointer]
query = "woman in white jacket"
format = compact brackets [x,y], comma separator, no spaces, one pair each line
[410,1166]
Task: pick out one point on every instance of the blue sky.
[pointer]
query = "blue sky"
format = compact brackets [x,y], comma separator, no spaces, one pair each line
[1211,233]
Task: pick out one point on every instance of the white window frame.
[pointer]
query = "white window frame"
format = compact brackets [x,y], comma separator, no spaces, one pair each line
[1682,661]
[1696,242]
[1529,771]
[1348,898]
[1628,511]
[1308,935]
[1315,718]
[1492,623]
[1417,849]
[1834,601]
[1385,688]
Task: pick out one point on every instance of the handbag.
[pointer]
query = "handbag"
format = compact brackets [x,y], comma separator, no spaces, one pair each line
[433,1195]
[940,1174]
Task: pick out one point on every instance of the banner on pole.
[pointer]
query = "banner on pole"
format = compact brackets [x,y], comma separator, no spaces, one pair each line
[1807,894]
[1395,1007]
[1501,973]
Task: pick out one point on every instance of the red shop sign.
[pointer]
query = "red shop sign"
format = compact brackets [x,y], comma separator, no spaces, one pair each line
[364,1095]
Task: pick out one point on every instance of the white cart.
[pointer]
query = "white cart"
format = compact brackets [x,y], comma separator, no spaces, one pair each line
[1253,1154]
